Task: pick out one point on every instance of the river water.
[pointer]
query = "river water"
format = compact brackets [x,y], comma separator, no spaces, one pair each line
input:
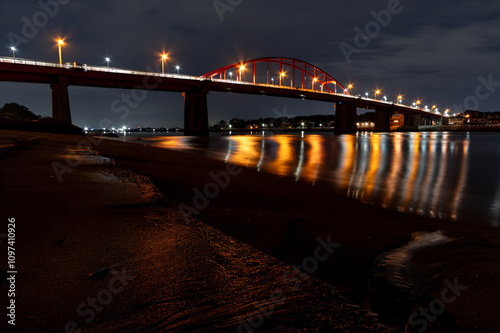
[451,176]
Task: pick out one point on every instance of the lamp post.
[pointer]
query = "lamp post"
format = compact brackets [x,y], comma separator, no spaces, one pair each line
[13,49]
[242,68]
[107,60]
[377,92]
[60,43]
[400,99]
[178,69]
[163,59]
[282,75]
[314,83]
[349,87]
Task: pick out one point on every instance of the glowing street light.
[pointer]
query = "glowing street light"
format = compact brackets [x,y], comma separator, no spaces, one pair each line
[231,75]
[385,98]
[377,92]
[272,80]
[107,60]
[314,83]
[60,43]
[13,49]
[282,75]
[178,69]
[164,58]
[242,68]
[400,99]
[418,103]
[349,87]
[367,94]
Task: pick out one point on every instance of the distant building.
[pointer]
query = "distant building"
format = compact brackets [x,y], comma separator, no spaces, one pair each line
[494,121]
[477,121]
[456,120]
[397,120]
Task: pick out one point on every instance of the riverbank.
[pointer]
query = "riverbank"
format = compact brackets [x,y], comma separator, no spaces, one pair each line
[276,215]
[98,248]
[283,218]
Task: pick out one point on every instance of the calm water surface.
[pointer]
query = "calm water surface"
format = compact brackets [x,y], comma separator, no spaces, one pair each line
[453,176]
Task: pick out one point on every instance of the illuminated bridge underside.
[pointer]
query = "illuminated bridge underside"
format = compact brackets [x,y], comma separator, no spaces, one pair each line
[298,80]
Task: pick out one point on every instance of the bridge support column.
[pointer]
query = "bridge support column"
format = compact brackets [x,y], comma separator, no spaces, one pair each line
[60,100]
[345,118]
[382,120]
[413,120]
[195,113]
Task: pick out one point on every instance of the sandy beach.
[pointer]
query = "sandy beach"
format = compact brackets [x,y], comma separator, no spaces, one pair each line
[229,266]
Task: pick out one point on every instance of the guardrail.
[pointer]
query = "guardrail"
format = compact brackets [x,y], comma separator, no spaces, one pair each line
[106,69]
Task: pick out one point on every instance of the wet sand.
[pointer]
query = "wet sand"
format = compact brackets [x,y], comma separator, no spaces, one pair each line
[278,216]
[103,251]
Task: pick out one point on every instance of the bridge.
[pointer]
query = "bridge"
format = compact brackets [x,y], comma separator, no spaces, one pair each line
[277,76]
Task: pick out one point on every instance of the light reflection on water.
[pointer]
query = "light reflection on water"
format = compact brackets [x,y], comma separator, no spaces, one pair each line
[453,176]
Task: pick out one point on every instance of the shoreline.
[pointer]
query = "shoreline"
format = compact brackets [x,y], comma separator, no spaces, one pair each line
[103,251]
[284,219]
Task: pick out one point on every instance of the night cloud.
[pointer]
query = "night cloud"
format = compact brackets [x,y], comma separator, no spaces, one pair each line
[431,50]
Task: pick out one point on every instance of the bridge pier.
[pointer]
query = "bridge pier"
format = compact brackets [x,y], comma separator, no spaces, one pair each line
[383,120]
[60,100]
[345,118]
[413,120]
[196,113]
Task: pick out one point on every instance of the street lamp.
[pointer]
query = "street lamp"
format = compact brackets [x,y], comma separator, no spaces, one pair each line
[314,83]
[60,43]
[177,68]
[400,99]
[164,57]
[349,87]
[13,49]
[272,80]
[377,92]
[418,103]
[107,60]
[231,75]
[242,68]
[385,98]
[282,75]
[366,94]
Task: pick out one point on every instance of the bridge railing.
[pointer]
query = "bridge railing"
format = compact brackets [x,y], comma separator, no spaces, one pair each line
[106,69]
[22,61]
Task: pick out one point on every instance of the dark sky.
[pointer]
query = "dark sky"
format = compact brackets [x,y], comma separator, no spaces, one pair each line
[429,50]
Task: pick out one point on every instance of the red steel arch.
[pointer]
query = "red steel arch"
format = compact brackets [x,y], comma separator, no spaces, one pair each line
[310,74]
